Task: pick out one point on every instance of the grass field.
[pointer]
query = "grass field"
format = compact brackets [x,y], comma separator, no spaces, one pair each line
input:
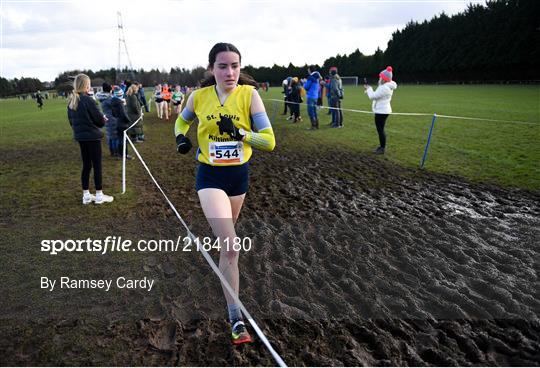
[40,182]
[506,154]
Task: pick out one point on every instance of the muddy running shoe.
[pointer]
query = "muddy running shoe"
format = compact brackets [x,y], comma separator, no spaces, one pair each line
[239,333]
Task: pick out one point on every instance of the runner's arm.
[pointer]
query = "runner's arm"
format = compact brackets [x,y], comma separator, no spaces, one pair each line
[263,138]
[184,120]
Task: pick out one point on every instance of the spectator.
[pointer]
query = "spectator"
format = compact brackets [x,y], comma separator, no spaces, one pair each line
[86,121]
[142,97]
[105,99]
[381,104]
[327,90]
[295,100]
[118,106]
[286,90]
[134,113]
[320,96]
[336,95]
[312,88]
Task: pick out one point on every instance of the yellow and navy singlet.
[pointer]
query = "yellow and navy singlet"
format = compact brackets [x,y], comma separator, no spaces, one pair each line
[220,149]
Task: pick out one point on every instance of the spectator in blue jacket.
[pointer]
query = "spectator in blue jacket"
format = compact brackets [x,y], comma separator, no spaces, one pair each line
[312,87]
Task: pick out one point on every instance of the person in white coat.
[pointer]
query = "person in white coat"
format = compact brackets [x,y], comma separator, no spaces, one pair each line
[381,98]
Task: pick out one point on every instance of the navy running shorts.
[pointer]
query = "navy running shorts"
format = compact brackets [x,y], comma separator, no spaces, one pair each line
[233,180]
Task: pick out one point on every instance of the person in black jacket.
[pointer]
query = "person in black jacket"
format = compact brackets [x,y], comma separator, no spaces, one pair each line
[104,99]
[118,105]
[296,99]
[86,121]
[39,100]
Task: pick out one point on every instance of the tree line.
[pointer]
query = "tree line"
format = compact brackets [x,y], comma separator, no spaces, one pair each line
[19,86]
[498,41]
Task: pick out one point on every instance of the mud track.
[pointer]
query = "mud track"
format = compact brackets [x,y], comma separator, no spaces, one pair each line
[355,262]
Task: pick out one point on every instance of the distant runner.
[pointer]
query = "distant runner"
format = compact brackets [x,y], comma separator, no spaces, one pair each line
[39,100]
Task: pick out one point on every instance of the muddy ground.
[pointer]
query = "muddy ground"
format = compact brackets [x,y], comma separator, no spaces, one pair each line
[355,262]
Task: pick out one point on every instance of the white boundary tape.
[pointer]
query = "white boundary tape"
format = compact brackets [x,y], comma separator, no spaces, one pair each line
[417,114]
[209,259]
[124,154]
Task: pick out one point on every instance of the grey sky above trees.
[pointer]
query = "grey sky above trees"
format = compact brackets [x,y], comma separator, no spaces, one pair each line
[44,38]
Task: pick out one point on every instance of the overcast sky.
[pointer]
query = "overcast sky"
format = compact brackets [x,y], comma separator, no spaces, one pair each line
[44,38]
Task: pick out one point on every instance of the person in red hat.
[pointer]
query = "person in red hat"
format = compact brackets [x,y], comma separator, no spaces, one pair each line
[381,98]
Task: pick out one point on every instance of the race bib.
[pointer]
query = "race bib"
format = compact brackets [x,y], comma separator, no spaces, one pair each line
[226,152]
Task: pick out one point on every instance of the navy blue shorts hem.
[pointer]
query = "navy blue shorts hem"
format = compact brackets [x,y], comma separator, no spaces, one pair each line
[233,180]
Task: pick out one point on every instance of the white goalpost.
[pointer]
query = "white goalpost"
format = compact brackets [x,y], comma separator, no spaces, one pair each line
[349,81]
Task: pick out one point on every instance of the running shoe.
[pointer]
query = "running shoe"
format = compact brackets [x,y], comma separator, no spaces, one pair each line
[103,198]
[86,199]
[239,333]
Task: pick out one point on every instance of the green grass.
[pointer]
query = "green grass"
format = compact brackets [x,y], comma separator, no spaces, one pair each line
[505,154]
[22,125]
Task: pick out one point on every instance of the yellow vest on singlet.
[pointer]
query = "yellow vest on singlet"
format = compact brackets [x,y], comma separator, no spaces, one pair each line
[220,149]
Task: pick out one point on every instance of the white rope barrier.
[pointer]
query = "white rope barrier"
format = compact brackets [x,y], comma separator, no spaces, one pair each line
[484,119]
[124,154]
[415,114]
[209,259]
[132,125]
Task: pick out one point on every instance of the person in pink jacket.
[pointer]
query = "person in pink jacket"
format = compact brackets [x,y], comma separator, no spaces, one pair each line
[381,98]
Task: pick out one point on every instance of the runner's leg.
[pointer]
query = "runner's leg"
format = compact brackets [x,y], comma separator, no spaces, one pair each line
[217,208]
